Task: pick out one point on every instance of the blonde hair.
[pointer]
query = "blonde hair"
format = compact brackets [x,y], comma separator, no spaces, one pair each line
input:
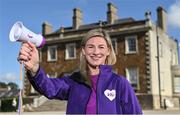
[110,60]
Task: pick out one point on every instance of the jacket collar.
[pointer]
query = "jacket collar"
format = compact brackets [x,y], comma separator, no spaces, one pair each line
[105,68]
[105,74]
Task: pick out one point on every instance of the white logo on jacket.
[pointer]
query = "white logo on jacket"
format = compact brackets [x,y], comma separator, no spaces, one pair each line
[110,94]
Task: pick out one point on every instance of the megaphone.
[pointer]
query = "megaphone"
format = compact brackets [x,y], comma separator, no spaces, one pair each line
[20,33]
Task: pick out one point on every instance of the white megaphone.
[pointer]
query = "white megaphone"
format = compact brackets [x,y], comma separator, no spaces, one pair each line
[20,33]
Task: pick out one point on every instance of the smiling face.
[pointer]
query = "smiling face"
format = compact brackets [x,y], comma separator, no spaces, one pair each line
[96,51]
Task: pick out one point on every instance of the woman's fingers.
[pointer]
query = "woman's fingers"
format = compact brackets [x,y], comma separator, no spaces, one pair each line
[32,46]
[28,65]
[24,57]
[24,54]
[28,55]
[26,47]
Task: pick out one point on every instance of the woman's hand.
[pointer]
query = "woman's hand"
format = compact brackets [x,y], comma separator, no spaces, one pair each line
[29,56]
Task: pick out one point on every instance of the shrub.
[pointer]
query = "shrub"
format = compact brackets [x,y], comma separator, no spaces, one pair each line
[7,106]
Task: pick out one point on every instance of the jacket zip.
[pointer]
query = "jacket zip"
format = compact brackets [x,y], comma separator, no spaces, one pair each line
[97,94]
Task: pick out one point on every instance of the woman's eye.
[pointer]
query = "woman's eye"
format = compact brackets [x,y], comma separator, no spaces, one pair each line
[102,47]
[90,47]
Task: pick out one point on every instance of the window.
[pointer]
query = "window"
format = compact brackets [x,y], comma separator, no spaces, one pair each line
[114,44]
[177,84]
[133,76]
[52,53]
[131,44]
[52,75]
[115,70]
[70,51]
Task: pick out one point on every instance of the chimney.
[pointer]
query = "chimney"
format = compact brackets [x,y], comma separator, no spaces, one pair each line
[77,18]
[161,18]
[111,13]
[148,18]
[46,28]
[148,15]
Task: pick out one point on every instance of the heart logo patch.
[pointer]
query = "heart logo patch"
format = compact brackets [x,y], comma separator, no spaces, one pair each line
[110,94]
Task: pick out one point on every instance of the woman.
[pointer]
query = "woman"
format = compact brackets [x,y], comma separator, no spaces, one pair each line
[95,89]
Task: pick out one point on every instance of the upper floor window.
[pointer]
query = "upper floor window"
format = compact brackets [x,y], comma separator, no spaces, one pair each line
[70,51]
[131,45]
[132,75]
[114,44]
[52,53]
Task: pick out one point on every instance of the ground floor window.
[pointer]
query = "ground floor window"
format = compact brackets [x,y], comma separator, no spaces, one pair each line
[177,84]
[132,75]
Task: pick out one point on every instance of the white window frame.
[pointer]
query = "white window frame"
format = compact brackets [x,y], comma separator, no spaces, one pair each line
[115,47]
[176,85]
[66,51]
[127,45]
[52,75]
[48,52]
[128,77]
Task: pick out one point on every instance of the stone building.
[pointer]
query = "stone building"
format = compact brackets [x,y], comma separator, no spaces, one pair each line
[146,55]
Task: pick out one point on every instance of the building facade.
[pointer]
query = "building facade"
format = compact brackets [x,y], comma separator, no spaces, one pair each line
[146,55]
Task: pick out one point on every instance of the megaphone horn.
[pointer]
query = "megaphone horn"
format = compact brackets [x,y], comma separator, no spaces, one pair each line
[20,33]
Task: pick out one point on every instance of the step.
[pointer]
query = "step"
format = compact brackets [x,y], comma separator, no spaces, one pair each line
[52,105]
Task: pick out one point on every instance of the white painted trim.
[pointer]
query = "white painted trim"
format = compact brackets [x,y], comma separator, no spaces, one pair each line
[128,76]
[66,51]
[115,48]
[127,47]
[48,53]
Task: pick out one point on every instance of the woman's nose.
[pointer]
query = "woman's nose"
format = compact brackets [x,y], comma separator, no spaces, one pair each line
[96,50]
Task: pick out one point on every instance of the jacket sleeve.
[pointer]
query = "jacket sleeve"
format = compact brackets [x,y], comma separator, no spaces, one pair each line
[129,101]
[52,88]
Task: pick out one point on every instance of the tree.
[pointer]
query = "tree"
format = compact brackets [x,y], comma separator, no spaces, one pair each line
[12,85]
[3,85]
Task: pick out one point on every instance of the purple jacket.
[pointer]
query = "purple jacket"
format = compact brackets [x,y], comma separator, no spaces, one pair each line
[114,93]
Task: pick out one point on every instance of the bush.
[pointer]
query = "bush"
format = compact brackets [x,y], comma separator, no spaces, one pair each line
[7,106]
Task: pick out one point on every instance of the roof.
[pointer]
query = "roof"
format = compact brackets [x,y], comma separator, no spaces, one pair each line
[120,26]
[9,93]
[96,24]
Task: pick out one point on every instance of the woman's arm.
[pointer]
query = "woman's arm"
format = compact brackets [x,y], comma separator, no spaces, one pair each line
[129,101]
[52,88]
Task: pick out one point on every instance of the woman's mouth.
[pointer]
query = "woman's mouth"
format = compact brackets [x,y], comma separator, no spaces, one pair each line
[95,58]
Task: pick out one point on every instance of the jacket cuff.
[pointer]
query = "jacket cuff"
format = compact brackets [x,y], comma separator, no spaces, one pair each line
[30,75]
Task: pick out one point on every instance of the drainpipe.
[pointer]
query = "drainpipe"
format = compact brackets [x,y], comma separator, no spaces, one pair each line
[158,64]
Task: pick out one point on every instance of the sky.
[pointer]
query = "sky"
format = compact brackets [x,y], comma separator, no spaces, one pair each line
[59,14]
